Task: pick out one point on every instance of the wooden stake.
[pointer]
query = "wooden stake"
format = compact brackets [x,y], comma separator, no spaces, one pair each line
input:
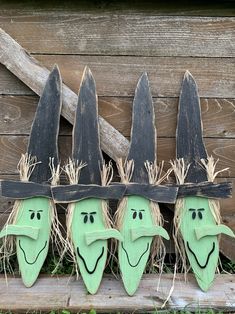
[34,75]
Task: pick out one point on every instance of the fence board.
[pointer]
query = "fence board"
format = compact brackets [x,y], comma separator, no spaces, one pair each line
[218,115]
[137,34]
[118,75]
[12,147]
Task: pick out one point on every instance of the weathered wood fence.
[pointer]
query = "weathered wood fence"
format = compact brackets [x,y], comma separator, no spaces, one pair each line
[117,46]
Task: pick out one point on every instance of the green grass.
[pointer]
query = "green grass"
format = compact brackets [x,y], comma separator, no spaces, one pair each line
[94,312]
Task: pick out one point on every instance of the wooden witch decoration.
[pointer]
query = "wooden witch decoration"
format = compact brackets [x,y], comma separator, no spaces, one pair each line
[138,216]
[197,219]
[33,218]
[88,222]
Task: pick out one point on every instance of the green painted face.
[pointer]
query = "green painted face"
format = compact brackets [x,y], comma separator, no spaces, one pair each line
[87,218]
[202,254]
[34,212]
[133,255]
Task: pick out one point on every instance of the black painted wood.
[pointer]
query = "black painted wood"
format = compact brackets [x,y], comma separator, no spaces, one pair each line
[206,189]
[86,141]
[78,192]
[189,140]
[156,193]
[45,128]
[143,132]
[22,190]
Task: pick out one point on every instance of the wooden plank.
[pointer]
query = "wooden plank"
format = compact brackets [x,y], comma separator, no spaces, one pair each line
[118,75]
[111,296]
[218,115]
[12,147]
[17,114]
[136,34]
[215,8]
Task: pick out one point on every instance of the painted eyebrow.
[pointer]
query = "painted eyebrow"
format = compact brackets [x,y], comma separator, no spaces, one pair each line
[31,210]
[39,211]
[192,209]
[84,213]
[140,210]
[92,213]
[201,209]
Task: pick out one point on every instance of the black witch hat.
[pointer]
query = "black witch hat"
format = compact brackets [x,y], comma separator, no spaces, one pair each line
[86,149]
[143,147]
[190,146]
[42,145]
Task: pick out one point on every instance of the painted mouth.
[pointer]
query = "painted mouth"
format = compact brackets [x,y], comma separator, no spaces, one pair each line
[25,257]
[84,262]
[208,256]
[128,259]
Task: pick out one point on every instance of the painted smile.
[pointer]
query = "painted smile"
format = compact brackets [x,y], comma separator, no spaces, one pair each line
[128,259]
[84,262]
[208,256]
[31,263]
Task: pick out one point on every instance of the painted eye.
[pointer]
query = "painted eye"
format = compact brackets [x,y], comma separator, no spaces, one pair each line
[85,219]
[38,216]
[134,215]
[140,216]
[32,215]
[200,215]
[194,215]
[91,219]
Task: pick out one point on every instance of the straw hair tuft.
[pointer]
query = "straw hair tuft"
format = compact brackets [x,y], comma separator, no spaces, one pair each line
[210,164]
[106,175]
[73,169]
[26,166]
[180,169]
[125,169]
[155,172]
[55,172]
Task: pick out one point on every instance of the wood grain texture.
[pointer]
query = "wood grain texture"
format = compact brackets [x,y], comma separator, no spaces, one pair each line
[189,138]
[218,115]
[12,147]
[28,69]
[143,135]
[22,190]
[43,140]
[86,136]
[118,75]
[155,193]
[78,192]
[111,295]
[137,34]
[206,189]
